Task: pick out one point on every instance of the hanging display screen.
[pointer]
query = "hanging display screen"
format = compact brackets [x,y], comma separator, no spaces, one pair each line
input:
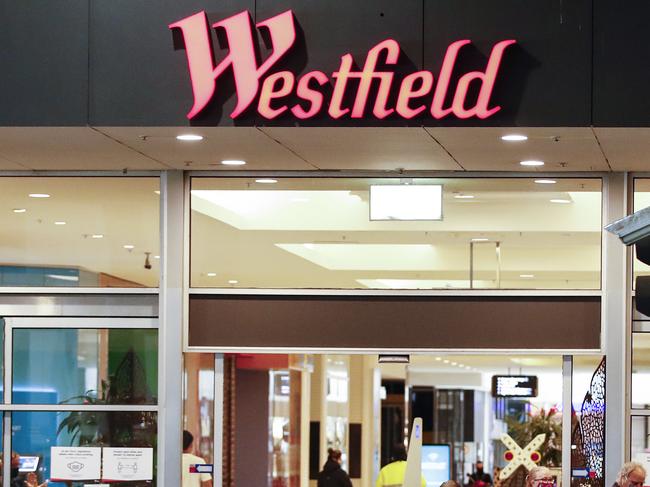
[514,386]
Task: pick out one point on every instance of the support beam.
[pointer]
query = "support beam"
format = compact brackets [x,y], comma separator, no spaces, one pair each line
[170,335]
[616,320]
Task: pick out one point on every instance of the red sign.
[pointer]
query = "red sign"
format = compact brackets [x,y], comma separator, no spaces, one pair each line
[276,93]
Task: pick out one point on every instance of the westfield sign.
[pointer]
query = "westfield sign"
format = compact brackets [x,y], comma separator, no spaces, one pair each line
[349,92]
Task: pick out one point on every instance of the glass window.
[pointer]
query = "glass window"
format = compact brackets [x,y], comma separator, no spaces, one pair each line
[641,201]
[74,231]
[317,233]
[640,439]
[198,398]
[85,366]
[35,433]
[640,370]
[588,420]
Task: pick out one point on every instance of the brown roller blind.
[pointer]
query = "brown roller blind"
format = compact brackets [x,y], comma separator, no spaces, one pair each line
[396,322]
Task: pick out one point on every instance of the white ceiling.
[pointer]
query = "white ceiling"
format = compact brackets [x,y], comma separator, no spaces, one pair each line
[305,148]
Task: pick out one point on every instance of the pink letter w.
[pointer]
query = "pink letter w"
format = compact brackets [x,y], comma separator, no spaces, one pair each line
[241,56]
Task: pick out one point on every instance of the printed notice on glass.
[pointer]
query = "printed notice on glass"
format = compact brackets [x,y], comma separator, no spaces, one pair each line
[123,464]
[75,463]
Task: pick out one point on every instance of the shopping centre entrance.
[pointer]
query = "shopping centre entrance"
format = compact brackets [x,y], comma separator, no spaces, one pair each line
[290,409]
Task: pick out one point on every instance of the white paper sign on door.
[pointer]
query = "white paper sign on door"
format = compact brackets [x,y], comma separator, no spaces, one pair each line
[127,464]
[75,463]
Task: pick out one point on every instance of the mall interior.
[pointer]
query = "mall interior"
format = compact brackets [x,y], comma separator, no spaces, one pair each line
[288,227]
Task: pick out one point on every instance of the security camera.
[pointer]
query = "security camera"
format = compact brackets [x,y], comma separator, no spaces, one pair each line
[147,263]
[632,228]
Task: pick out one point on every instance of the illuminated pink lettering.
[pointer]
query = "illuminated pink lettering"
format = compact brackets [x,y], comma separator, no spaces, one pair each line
[407,93]
[258,81]
[487,79]
[241,58]
[285,79]
[315,98]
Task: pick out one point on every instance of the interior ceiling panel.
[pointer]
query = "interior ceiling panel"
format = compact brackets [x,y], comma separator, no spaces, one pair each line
[69,148]
[245,143]
[6,165]
[326,148]
[562,149]
[628,149]
[409,148]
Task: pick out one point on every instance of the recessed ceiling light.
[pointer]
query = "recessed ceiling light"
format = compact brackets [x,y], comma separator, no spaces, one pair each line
[564,201]
[446,361]
[438,359]
[514,138]
[129,246]
[526,276]
[233,162]
[156,257]
[189,137]
[480,239]
[97,235]
[545,181]
[266,181]
[59,223]
[39,195]
[454,363]
[532,162]
[464,196]
[211,274]
[157,191]
[19,210]
[233,281]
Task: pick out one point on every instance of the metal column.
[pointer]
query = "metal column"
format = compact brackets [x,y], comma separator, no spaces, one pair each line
[567,376]
[616,322]
[170,334]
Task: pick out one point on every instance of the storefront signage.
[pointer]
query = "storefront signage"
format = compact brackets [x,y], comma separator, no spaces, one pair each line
[127,464]
[282,93]
[74,463]
[514,386]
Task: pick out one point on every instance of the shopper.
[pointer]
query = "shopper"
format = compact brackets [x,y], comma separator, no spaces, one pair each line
[479,478]
[332,474]
[540,477]
[632,474]
[393,473]
[18,479]
[189,459]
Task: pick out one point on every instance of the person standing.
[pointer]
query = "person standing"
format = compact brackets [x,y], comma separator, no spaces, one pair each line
[332,474]
[392,475]
[192,479]
[632,474]
[480,478]
[540,477]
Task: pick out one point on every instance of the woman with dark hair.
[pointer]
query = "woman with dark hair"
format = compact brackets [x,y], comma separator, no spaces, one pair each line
[332,474]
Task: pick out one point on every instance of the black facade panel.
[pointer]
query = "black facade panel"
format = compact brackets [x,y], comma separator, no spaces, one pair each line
[621,63]
[545,80]
[43,63]
[136,75]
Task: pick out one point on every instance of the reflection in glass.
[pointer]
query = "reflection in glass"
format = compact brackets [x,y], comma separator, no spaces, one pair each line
[85,366]
[79,237]
[317,233]
[34,433]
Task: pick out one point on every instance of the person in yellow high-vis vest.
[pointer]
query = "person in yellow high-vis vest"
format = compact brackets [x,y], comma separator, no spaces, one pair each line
[392,475]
